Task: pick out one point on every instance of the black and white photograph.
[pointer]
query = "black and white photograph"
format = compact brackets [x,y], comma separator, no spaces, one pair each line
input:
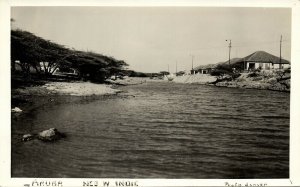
[150,92]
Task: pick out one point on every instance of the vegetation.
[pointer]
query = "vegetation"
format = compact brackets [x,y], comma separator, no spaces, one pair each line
[254,73]
[230,71]
[131,73]
[283,74]
[36,55]
[163,73]
[180,73]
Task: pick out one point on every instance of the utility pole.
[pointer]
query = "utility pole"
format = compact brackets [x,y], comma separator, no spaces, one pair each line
[192,63]
[229,47]
[168,69]
[176,67]
[280,66]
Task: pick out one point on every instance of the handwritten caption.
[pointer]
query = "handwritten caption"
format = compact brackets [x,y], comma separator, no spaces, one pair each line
[85,183]
[247,184]
[121,183]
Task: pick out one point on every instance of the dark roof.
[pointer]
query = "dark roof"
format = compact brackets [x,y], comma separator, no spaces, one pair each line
[208,66]
[232,61]
[262,56]
[258,56]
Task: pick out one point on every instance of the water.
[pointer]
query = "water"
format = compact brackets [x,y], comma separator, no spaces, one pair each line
[159,130]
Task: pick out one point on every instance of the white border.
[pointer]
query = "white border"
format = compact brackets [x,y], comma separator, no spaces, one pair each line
[6,180]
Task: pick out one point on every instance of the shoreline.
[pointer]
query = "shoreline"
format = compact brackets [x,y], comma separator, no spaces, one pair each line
[80,88]
[261,81]
[29,98]
[24,97]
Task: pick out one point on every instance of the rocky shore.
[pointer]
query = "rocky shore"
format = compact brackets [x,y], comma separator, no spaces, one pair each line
[264,80]
[258,80]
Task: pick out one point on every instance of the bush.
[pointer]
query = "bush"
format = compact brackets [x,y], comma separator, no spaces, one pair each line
[254,73]
[235,75]
[226,69]
[283,73]
[287,70]
[219,72]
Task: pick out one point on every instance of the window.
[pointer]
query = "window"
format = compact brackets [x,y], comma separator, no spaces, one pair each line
[267,66]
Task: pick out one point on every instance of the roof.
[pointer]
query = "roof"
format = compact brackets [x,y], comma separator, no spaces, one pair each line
[232,61]
[208,66]
[258,56]
[262,56]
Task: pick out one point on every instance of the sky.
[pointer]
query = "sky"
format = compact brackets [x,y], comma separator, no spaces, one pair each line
[151,39]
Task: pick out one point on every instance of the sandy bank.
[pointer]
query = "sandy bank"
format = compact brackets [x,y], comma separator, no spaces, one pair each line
[53,93]
[196,79]
[80,88]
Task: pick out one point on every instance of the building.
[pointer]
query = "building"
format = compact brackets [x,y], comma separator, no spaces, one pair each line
[204,69]
[262,60]
[257,60]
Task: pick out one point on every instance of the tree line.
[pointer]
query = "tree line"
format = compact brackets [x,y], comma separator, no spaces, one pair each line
[44,57]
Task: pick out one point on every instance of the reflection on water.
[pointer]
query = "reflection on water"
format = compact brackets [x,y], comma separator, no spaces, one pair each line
[166,130]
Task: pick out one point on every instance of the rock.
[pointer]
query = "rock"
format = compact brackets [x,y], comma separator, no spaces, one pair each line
[16,109]
[51,134]
[27,137]
[272,80]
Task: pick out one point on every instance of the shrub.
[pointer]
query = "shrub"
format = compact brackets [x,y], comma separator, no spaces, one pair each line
[219,72]
[222,70]
[254,73]
[235,75]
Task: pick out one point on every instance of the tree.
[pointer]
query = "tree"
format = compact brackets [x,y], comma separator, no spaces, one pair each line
[34,51]
[223,70]
[46,57]
[163,73]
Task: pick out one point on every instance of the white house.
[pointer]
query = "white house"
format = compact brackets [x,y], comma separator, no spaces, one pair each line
[263,60]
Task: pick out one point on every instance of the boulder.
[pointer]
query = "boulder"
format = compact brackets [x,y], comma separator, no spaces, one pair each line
[27,137]
[272,80]
[51,134]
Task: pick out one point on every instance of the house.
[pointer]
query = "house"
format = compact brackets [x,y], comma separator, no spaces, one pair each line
[232,61]
[257,60]
[262,60]
[205,69]
[193,71]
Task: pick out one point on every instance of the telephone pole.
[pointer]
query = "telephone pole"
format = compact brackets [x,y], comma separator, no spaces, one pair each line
[280,52]
[229,47]
[168,69]
[192,62]
[176,67]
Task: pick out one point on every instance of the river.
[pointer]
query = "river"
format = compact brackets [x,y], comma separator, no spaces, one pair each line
[159,130]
